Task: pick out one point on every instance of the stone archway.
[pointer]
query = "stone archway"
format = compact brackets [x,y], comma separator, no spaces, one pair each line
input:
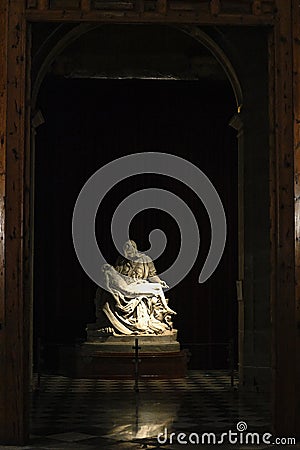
[204,40]
[195,32]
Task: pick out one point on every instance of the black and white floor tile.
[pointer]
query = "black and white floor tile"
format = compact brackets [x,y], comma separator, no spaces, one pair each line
[102,414]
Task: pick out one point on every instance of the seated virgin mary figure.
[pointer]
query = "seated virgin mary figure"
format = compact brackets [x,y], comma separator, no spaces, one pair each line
[134,301]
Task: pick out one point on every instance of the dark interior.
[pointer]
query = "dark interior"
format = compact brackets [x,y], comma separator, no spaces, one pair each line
[90,122]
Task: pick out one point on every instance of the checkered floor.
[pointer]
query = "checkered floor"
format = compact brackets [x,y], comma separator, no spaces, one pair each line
[101,414]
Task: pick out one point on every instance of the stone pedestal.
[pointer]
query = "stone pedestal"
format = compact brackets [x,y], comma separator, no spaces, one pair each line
[123,343]
[112,357]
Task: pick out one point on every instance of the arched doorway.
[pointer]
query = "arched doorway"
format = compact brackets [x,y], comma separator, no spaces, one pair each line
[124,98]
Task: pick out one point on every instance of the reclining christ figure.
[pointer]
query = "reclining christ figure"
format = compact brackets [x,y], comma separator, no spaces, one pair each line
[134,302]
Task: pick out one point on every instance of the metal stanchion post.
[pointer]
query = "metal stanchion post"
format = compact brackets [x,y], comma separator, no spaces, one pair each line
[136,361]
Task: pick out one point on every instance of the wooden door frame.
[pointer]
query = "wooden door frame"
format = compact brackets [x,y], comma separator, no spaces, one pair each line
[15,243]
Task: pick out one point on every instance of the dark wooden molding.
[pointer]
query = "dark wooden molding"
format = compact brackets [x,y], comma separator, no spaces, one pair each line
[147,17]
[251,12]
[15,181]
[257,7]
[85,5]
[296,93]
[282,219]
[189,13]
[3,137]
[43,5]
[162,6]
[14,364]
[215,7]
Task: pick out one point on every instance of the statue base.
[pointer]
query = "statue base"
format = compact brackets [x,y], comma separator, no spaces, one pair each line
[166,342]
[113,357]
